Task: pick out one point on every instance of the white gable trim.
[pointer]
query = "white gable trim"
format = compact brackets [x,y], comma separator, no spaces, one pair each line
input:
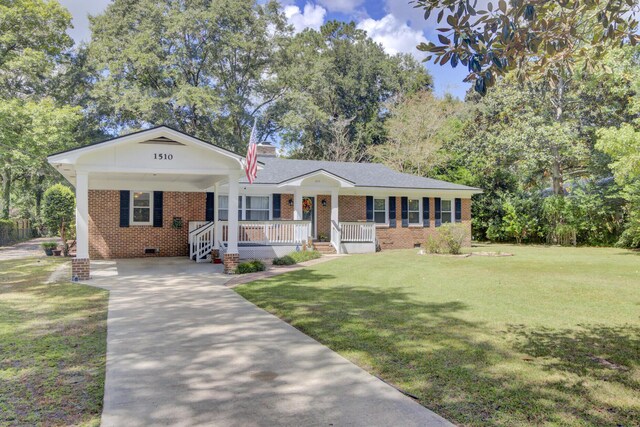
[297,181]
[70,157]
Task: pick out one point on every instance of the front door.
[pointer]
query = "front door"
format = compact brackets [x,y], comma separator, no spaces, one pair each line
[309,213]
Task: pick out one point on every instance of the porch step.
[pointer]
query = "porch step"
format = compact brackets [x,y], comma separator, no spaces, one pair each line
[325,248]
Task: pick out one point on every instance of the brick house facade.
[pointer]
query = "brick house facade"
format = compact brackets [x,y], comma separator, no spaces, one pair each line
[160,192]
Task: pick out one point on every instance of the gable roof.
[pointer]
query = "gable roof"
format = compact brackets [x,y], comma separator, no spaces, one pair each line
[278,170]
[158,135]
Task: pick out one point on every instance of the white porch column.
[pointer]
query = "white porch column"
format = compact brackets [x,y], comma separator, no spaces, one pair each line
[334,206]
[297,205]
[80,265]
[217,227]
[82,215]
[232,246]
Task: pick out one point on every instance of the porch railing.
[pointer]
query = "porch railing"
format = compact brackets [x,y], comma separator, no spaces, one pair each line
[352,232]
[201,239]
[270,232]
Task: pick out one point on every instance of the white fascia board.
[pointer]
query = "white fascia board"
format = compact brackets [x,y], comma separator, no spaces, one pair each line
[422,192]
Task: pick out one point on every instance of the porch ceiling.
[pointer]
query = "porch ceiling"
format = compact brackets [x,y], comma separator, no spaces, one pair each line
[153,181]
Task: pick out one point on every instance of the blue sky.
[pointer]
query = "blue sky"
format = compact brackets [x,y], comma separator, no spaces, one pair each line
[393,23]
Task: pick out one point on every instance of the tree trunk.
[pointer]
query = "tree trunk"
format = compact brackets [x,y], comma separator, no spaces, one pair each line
[39,192]
[557,179]
[6,192]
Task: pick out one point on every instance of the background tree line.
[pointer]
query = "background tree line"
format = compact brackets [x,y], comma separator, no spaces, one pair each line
[550,133]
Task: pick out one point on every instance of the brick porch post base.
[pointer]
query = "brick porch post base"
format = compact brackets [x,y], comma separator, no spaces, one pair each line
[230,263]
[80,269]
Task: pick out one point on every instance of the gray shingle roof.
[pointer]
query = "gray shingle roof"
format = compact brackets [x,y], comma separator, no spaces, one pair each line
[277,170]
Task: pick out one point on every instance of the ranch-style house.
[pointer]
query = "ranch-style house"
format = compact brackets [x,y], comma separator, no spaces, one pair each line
[161,192]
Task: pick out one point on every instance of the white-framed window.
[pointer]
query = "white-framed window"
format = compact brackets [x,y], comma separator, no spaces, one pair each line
[414,211]
[446,213]
[223,208]
[257,208]
[250,208]
[380,211]
[141,208]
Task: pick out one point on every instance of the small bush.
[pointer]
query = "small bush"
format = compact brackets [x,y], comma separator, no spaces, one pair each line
[296,257]
[250,267]
[448,239]
[285,260]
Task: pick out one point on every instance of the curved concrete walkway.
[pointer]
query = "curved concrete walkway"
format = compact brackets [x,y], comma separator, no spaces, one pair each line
[183,349]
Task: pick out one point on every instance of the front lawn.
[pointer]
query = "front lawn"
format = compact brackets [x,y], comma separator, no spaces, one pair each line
[52,347]
[548,336]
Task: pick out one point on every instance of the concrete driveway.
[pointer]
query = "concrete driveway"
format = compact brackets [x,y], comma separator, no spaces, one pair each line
[183,349]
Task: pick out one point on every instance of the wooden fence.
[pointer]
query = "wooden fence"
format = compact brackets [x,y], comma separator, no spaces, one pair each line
[12,231]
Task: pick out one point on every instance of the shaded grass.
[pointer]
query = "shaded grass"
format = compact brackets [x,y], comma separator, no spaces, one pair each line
[53,347]
[549,336]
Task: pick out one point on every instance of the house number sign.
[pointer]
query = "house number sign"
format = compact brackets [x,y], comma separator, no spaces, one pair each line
[162,156]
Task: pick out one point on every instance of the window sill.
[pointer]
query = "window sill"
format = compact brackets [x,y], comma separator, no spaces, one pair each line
[382,226]
[415,226]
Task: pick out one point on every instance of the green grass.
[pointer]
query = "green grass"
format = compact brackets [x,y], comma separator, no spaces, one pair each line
[549,336]
[52,347]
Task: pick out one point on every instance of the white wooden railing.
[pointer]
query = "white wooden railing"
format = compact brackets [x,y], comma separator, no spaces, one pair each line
[357,232]
[270,232]
[201,238]
[194,225]
[335,236]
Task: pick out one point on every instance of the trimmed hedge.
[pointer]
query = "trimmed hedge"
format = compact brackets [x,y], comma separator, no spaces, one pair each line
[296,257]
[284,260]
[250,267]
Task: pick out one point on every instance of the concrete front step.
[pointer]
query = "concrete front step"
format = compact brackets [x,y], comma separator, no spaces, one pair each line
[325,248]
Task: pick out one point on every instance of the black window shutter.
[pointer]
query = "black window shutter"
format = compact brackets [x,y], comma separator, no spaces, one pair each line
[157,208]
[438,212]
[210,207]
[125,200]
[458,210]
[275,202]
[404,202]
[369,208]
[392,212]
[425,212]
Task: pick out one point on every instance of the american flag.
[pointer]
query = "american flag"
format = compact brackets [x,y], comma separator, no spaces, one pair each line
[251,165]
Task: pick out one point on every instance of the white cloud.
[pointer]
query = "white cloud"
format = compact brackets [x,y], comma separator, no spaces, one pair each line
[344,6]
[312,16]
[394,35]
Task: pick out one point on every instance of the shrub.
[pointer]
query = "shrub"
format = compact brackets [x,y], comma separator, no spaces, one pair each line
[285,260]
[296,257]
[447,239]
[58,209]
[250,267]
[303,256]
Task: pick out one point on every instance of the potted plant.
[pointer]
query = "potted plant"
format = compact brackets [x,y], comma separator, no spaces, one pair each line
[323,237]
[49,247]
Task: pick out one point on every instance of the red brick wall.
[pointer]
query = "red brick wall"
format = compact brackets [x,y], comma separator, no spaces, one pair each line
[407,237]
[286,211]
[352,208]
[108,240]
[324,214]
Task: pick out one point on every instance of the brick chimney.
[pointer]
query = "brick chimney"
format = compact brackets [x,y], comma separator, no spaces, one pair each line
[266,150]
